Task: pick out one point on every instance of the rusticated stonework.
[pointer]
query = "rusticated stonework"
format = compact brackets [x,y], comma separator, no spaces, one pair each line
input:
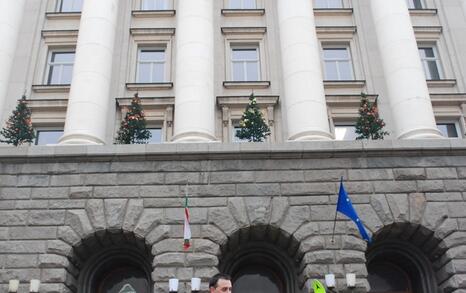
[59,206]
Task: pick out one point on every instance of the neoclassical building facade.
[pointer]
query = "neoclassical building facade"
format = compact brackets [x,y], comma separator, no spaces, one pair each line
[83,215]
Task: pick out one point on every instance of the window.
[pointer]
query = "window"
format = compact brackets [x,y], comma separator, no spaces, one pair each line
[60,67]
[245,63]
[70,5]
[414,4]
[345,132]
[328,4]
[448,129]
[242,4]
[151,65]
[235,128]
[155,4]
[337,63]
[45,137]
[156,135]
[430,62]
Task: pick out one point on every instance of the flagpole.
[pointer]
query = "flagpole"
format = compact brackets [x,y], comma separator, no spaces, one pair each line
[336,213]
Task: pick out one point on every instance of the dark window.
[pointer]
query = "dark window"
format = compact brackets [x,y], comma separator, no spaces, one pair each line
[258,279]
[123,280]
[45,137]
[387,277]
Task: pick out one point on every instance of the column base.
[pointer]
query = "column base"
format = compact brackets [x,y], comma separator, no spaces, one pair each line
[311,135]
[79,139]
[424,133]
[193,136]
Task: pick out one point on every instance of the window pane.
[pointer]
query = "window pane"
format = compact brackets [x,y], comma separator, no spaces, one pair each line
[143,72]
[331,72]
[54,75]
[249,4]
[345,132]
[336,53]
[428,52]
[66,74]
[244,54]
[252,71]
[448,129]
[71,5]
[235,4]
[234,138]
[63,57]
[156,135]
[158,73]
[345,69]
[152,55]
[238,74]
[45,137]
[433,70]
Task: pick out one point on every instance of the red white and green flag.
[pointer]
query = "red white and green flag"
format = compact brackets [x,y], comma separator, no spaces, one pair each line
[187,228]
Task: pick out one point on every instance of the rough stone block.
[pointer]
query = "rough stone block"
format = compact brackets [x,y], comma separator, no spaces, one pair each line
[350,256]
[33,180]
[258,210]
[319,257]
[79,222]
[399,206]
[80,191]
[58,247]
[435,214]
[120,192]
[15,193]
[323,175]
[50,193]
[67,204]
[295,217]
[53,261]
[159,233]
[279,208]
[231,177]
[441,173]
[23,275]
[114,212]
[21,261]
[68,235]
[313,243]
[381,207]
[94,167]
[309,200]
[308,188]
[430,186]
[323,212]
[46,217]
[444,196]
[8,180]
[100,179]
[394,186]
[133,211]
[169,260]
[176,215]
[183,178]
[237,208]
[206,246]
[369,216]
[456,209]
[53,275]
[258,189]
[18,233]
[213,233]
[167,245]
[31,204]
[410,174]
[417,205]
[279,176]
[140,178]
[163,274]
[23,246]
[66,180]
[148,220]
[223,219]
[306,230]
[370,174]
[13,218]
[455,185]
[201,260]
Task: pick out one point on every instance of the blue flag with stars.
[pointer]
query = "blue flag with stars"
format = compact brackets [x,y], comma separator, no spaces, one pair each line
[345,207]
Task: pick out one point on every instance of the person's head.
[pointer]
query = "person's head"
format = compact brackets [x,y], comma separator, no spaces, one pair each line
[220,283]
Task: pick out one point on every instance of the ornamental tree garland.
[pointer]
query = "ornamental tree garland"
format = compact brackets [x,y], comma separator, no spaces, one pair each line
[252,124]
[369,125]
[18,129]
[133,127]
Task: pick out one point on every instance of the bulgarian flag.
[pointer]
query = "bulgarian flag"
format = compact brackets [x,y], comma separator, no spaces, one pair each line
[187,228]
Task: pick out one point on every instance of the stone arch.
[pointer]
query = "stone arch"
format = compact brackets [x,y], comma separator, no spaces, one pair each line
[100,225]
[437,253]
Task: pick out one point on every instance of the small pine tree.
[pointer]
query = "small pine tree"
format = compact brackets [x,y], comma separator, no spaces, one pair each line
[18,129]
[253,126]
[133,127]
[369,125]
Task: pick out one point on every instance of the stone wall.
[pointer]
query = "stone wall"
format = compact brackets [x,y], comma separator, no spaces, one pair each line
[60,205]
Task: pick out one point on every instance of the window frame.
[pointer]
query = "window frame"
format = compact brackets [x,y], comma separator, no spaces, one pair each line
[155,125]
[164,62]
[454,122]
[425,61]
[340,124]
[59,7]
[244,62]
[39,129]
[49,65]
[347,47]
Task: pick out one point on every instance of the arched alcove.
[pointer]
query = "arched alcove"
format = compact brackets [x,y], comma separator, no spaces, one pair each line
[113,263]
[261,259]
[401,260]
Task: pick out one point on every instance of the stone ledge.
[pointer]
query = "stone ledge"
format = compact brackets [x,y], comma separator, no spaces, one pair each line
[214,151]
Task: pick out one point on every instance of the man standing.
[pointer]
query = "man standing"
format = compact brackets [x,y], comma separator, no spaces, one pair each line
[220,283]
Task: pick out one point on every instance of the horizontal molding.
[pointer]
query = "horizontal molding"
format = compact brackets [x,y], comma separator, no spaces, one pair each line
[244,100]
[246,84]
[63,15]
[147,101]
[333,11]
[346,100]
[59,33]
[243,30]
[344,83]
[152,31]
[441,83]
[423,12]
[47,104]
[153,13]
[243,12]
[149,86]
[55,88]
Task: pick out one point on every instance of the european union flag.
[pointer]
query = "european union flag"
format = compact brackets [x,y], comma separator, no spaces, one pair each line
[345,207]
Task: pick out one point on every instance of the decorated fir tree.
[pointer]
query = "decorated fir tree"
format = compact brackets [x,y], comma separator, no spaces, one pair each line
[133,127]
[252,124]
[369,125]
[18,129]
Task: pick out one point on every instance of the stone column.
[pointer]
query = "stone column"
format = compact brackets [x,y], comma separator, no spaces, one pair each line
[90,88]
[194,79]
[407,90]
[304,96]
[11,15]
